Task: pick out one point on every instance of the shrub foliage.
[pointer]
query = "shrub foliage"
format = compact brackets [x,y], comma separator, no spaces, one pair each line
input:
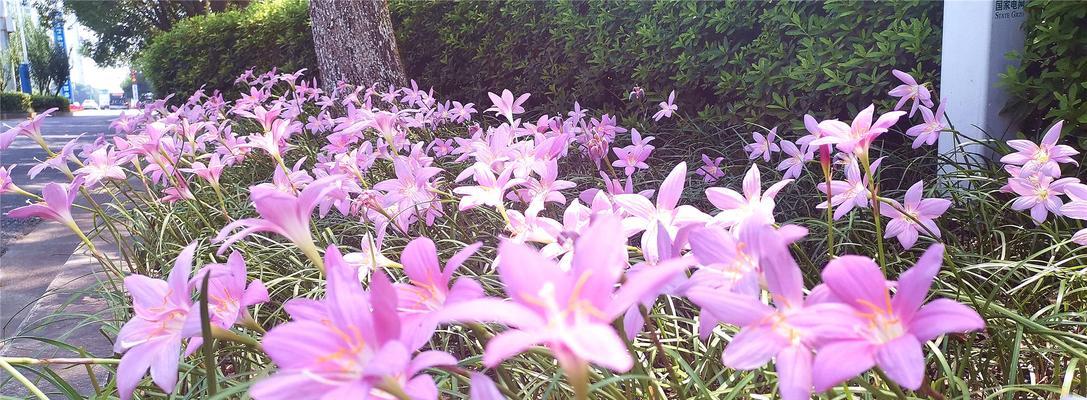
[1051,80]
[14,102]
[42,102]
[211,51]
[745,61]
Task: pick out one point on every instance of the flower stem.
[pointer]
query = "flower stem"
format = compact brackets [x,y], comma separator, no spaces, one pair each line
[22,379]
[873,189]
[830,210]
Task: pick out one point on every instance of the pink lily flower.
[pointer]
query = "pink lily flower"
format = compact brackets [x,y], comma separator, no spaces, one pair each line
[152,338]
[754,206]
[798,157]
[348,345]
[929,131]
[630,159]
[282,213]
[211,171]
[710,169]
[1040,194]
[229,297]
[429,289]
[490,190]
[915,210]
[58,161]
[1044,157]
[462,112]
[667,107]
[856,138]
[892,330]
[6,185]
[506,105]
[850,193]
[646,215]
[789,331]
[56,206]
[568,310]
[101,164]
[910,90]
[31,128]
[763,146]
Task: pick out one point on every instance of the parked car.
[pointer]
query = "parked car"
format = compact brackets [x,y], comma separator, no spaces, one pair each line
[75,107]
[118,102]
[91,105]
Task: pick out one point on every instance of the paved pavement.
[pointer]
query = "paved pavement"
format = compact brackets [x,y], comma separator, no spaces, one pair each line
[46,290]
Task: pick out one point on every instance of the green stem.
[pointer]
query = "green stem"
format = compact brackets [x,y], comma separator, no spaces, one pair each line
[830,211]
[22,379]
[873,189]
[209,342]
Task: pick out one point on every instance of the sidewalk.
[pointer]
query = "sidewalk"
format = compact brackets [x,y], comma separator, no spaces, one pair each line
[49,290]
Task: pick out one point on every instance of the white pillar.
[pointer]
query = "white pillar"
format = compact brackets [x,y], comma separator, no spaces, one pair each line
[977,34]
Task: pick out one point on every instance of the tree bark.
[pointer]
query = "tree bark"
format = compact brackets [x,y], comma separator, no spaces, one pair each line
[355,44]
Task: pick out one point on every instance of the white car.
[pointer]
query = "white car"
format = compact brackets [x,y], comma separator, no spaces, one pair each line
[90,105]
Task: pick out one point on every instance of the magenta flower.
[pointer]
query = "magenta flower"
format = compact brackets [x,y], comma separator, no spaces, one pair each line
[910,90]
[794,164]
[1040,194]
[490,189]
[667,107]
[1044,157]
[56,205]
[211,171]
[568,310]
[630,158]
[754,206]
[892,329]
[763,146]
[787,331]
[229,295]
[915,211]
[850,193]
[462,112]
[429,289]
[282,213]
[646,215]
[6,185]
[101,164]
[506,105]
[31,128]
[856,138]
[152,338]
[347,346]
[927,132]
[710,169]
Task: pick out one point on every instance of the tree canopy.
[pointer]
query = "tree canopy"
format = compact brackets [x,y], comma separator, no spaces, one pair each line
[123,27]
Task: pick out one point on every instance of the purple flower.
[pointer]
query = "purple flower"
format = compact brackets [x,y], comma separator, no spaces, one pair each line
[891,329]
[915,211]
[646,215]
[429,289]
[568,310]
[630,158]
[929,131]
[152,338]
[56,205]
[798,156]
[506,105]
[1044,157]
[910,90]
[710,169]
[667,107]
[229,295]
[348,345]
[857,137]
[763,145]
[754,206]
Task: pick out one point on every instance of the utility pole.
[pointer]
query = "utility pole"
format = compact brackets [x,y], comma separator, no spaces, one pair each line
[24,67]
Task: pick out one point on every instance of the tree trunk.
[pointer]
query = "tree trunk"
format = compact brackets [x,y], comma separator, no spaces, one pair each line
[354,43]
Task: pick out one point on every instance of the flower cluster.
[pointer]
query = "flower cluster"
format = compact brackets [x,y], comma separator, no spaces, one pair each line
[579,264]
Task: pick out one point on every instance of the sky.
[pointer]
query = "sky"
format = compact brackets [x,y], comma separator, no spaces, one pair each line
[85,70]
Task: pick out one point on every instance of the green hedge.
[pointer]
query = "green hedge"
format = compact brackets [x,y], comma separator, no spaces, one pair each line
[1051,81]
[14,102]
[741,60]
[213,50]
[42,102]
